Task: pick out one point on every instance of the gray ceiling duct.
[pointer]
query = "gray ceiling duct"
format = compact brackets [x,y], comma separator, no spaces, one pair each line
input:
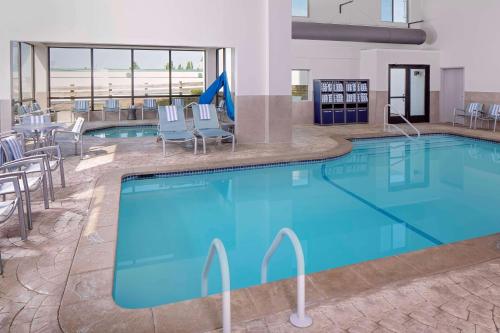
[356,33]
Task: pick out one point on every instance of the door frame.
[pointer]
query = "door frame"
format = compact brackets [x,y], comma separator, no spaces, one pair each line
[414,119]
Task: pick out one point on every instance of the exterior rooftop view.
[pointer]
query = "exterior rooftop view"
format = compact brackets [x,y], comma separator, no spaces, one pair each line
[249,166]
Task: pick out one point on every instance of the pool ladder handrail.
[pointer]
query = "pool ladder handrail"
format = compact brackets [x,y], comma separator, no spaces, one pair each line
[388,126]
[218,246]
[298,319]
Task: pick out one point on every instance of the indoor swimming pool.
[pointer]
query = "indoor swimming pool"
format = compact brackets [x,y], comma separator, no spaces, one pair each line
[388,196]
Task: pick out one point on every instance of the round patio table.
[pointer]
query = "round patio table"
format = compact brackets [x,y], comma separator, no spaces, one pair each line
[36,130]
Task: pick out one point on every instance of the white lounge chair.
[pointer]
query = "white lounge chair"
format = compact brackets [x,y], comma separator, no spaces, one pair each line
[471,111]
[149,104]
[172,127]
[111,105]
[207,125]
[492,115]
[81,106]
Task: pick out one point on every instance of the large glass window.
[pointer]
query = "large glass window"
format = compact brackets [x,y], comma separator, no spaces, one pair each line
[27,79]
[300,8]
[22,72]
[70,76]
[394,11]
[15,72]
[151,73]
[129,75]
[300,85]
[188,72]
[112,72]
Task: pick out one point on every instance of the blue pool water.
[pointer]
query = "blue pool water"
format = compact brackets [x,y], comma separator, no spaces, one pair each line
[124,132]
[388,196]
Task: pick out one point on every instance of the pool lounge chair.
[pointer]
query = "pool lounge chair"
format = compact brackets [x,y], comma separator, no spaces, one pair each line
[207,124]
[471,111]
[172,127]
[179,102]
[81,106]
[149,104]
[492,115]
[111,105]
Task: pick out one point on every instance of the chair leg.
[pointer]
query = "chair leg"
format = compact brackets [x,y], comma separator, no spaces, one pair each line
[142,113]
[51,183]
[163,141]
[61,171]
[495,125]
[81,148]
[45,192]
[27,195]
[22,220]
[234,142]
[204,145]
[195,146]
[103,115]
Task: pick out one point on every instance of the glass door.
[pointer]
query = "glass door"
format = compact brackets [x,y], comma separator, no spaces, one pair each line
[409,93]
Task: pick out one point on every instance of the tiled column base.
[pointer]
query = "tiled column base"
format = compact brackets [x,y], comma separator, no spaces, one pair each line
[264,119]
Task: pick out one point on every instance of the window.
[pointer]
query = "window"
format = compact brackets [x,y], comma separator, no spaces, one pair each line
[15,73]
[300,8]
[22,72]
[188,72]
[300,85]
[151,73]
[69,76]
[126,74]
[394,11]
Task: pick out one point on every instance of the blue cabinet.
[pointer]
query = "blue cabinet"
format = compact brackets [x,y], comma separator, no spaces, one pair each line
[363,115]
[351,116]
[340,101]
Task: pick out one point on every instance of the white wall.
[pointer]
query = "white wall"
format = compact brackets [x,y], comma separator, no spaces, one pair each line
[466,33]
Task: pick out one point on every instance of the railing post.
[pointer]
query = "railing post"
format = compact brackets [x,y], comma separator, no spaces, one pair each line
[217,246]
[299,318]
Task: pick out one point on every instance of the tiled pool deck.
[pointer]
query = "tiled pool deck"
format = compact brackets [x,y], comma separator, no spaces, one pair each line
[61,278]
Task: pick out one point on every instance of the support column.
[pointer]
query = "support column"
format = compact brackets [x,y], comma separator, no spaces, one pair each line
[267,118]
[5,88]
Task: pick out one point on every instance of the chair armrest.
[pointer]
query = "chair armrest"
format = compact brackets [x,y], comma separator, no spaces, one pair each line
[24,162]
[43,150]
[14,179]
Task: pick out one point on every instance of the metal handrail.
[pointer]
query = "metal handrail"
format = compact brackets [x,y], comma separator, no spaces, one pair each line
[387,126]
[298,319]
[217,246]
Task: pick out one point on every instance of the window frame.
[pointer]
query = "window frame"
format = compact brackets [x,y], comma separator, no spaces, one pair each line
[132,95]
[307,10]
[393,11]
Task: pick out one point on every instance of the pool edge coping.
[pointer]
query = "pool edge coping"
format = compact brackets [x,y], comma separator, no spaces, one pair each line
[98,258]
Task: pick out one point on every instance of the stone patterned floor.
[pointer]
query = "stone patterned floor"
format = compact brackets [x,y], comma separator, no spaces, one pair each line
[466,301]
[36,270]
